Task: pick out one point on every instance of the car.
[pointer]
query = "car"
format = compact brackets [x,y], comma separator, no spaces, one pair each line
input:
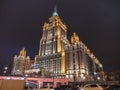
[91,87]
[105,87]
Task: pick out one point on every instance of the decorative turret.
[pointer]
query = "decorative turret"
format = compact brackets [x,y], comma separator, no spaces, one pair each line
[23,52]
[74,38]
[21,63]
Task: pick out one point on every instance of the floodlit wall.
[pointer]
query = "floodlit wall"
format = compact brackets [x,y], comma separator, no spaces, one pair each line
[11,84]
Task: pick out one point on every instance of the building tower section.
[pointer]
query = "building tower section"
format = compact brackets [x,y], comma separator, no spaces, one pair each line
[81,64]
[20,63]
[51,51]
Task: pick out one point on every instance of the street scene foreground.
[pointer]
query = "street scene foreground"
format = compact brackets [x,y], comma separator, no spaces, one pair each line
[27,83]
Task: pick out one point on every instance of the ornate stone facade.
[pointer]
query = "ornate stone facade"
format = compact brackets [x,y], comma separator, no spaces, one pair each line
[21,63]
[63,58]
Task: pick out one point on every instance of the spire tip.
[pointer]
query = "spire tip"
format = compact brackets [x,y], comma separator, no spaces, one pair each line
[55,10]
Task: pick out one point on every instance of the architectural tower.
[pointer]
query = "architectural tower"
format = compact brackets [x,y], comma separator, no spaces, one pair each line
[81,64]
[61,58]
[20,63]
[51,51]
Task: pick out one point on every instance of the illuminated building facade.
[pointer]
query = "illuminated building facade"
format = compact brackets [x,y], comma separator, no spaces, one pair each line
[21,63]
[81,64]
[60,57]
[51,53]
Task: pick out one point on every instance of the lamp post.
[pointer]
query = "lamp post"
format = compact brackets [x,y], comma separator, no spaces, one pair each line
[5,70]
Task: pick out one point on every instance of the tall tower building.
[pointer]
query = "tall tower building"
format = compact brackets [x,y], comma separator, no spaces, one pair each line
[51,51]
[62,58]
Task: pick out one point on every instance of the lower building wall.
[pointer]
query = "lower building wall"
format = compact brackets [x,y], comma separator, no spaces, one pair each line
[11,84]
[0,84]
[17,83]
[46,82]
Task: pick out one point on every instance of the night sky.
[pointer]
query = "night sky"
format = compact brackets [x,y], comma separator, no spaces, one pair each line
[97,22]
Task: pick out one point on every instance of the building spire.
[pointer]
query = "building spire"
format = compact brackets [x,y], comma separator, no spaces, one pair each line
[55,9]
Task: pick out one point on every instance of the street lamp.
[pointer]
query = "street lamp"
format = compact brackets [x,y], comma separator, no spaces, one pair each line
[98,78]
[26,75]
[5,70]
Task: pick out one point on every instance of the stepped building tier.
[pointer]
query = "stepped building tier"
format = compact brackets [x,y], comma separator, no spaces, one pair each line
[81,64]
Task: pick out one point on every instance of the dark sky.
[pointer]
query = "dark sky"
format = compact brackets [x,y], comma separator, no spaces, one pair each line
[97,22]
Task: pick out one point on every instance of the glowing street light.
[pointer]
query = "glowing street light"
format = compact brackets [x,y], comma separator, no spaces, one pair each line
[98,78]
[5,70]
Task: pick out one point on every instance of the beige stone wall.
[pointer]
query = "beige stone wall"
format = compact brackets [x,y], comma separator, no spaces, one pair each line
[0,84]
[11,84]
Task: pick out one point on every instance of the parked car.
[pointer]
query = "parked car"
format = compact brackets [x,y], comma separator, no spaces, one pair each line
[91,87]
[105,87]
